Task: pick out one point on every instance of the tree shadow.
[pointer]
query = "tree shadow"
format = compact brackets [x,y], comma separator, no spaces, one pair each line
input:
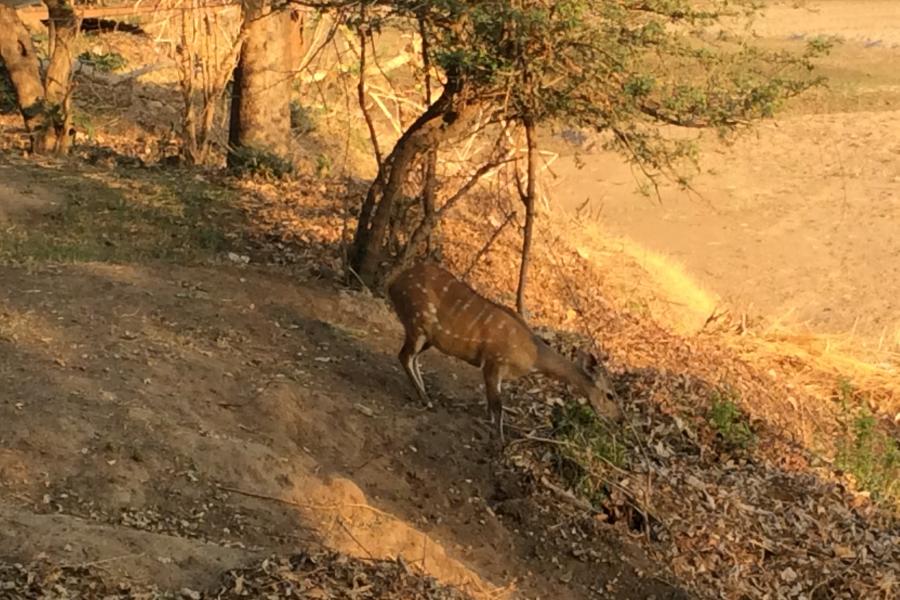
[227,405]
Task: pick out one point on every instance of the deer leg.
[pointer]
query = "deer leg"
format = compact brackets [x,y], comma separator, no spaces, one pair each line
[493,380]
[417,370]
[409,355]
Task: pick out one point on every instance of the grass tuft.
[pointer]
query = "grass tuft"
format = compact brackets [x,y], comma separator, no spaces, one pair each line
[587,450]
[731,425]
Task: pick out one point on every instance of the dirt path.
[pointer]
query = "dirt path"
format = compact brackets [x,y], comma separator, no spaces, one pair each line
[799,220]
[137,400]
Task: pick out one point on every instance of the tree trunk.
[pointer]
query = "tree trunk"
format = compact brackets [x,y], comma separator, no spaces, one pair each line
[429,194]
[63,29]
[429,188]
[528,200]
[17,53]
[442,120]
[260,110]
[44,105]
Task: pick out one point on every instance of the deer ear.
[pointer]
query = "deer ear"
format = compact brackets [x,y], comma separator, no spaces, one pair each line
[586,360]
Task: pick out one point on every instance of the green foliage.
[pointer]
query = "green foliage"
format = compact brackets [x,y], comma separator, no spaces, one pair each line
[586,451]
[82,122]
[729,421]
[253,161]
[323,165]
[866,451]
[623,68]
[822,44]
[169,217]
[302,119]
[106,62]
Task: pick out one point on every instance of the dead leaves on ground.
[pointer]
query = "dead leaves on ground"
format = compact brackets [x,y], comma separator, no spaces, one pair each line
[307,576]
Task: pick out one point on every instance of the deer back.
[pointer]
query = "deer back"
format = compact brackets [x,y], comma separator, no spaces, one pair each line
[430,301]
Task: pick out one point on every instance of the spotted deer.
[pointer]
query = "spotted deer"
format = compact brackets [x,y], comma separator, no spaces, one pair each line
[436,309]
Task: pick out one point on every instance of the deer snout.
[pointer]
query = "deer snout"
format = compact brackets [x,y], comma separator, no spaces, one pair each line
[605,403]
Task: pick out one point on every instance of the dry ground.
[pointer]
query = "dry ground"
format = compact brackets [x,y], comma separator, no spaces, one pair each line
[797,222]
[173,422]
[173,414]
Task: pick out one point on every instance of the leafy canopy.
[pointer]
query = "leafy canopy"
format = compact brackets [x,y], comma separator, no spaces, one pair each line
[626,67]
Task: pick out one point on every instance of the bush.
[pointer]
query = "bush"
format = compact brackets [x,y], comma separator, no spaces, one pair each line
[729,421]
[866,451]
[587,451]
[253,161]
[106,62]
[302,120]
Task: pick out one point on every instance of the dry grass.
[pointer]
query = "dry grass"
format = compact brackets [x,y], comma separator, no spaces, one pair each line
[821,360]
[811,361]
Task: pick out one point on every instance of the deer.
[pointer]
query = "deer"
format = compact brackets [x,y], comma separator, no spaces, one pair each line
[438,310]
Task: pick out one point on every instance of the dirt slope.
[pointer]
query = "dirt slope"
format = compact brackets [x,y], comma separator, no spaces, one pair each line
[134,398]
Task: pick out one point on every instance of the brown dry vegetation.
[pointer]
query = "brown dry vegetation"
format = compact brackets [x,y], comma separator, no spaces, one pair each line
[170,414]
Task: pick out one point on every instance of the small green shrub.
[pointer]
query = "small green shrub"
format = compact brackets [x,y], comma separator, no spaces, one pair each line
[730,422]
[323,165]
[106,62]
[253,161]
[867,452]
[587,450]
[83,123]
[302,119]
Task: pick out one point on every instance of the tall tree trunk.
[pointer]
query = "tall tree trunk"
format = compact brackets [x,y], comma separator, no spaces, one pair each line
[429,188]
[44,105]
[443,120]
[261,113]
[429,194]
[528,200]
[17,53]
[63,29]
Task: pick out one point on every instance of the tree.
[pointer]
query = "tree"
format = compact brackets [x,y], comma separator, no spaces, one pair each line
[628,70]
[260,105]
[44,104]
[21,63]
[445,118]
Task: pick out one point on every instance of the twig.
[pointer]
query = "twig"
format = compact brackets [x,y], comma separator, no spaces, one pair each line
[509,217]
[358,278]
[630,496]
[361,86]
[424,549]
[812,592]
[353,537]
[305,505]
[568,497]
[103,561]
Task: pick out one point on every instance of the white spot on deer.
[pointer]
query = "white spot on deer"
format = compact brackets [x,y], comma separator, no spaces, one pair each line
[432,308]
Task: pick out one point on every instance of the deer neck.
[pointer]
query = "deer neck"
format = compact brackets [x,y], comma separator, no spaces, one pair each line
[553,364]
